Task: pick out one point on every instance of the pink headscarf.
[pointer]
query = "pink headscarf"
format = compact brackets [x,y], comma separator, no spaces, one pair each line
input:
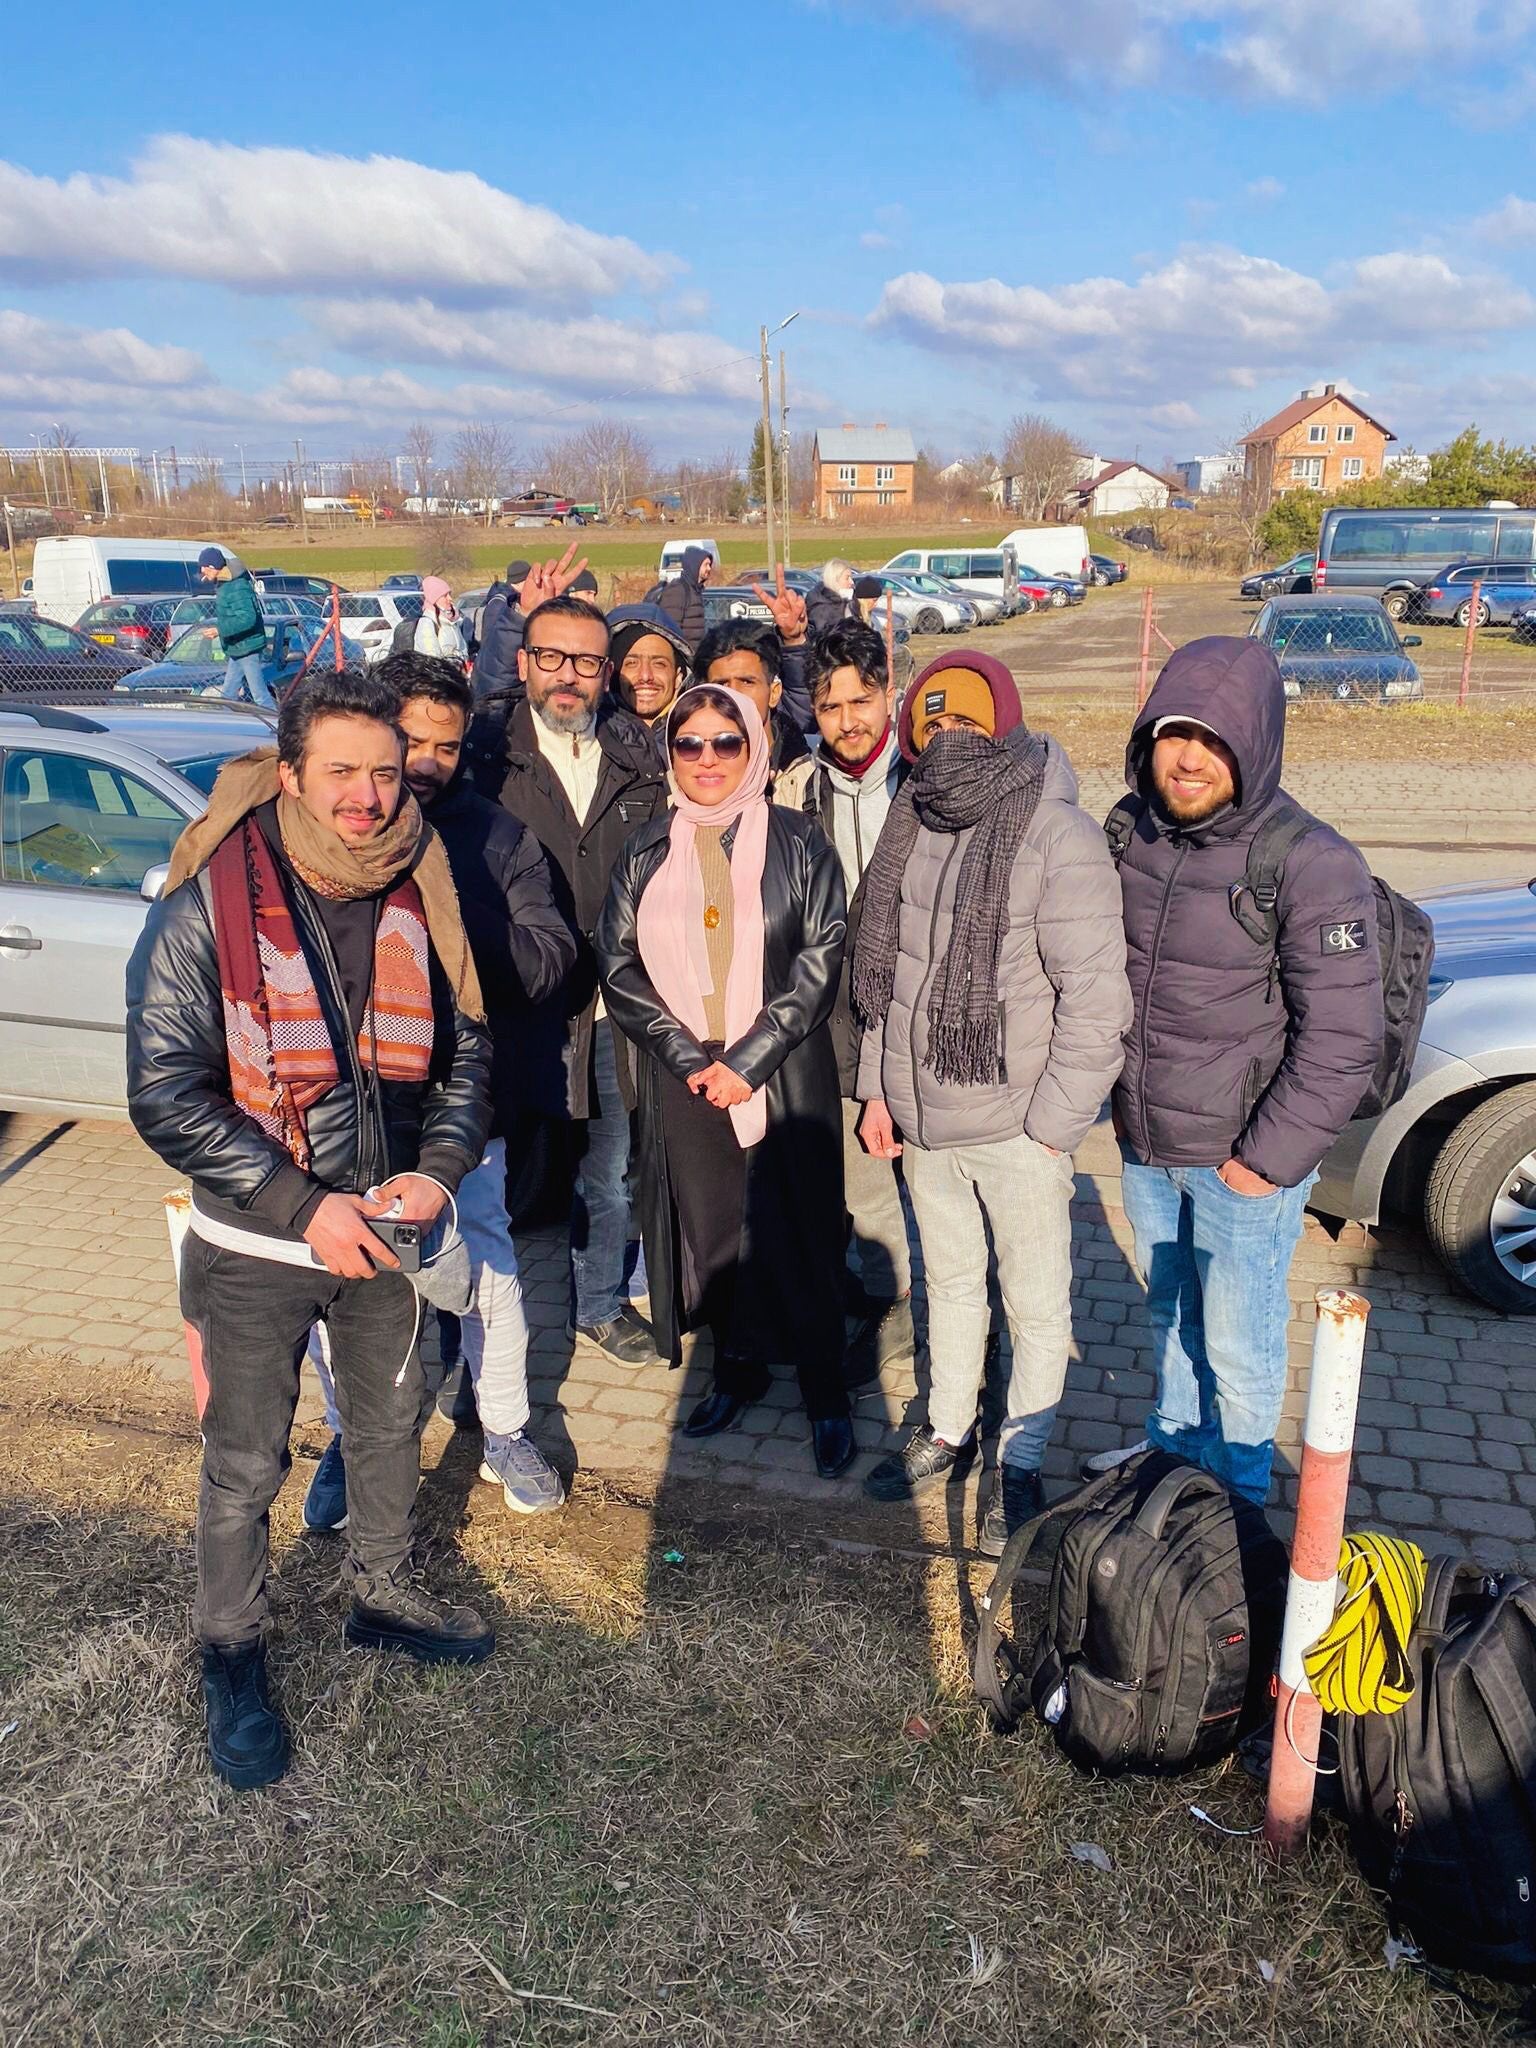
[670,925]
[436,596]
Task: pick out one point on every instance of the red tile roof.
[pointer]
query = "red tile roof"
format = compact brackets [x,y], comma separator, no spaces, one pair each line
[1301,409]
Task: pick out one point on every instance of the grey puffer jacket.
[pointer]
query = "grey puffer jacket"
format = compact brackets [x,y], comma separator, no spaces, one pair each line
[1229,1058]
[1060,982]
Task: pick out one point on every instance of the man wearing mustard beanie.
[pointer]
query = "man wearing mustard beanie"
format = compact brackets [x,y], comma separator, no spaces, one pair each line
[989,979]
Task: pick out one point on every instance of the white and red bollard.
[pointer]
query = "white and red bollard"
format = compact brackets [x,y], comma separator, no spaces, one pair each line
[178,1215]
[1338,1351]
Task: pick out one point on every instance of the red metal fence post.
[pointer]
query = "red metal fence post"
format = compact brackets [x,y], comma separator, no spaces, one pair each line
[1473,609]
[1145,663]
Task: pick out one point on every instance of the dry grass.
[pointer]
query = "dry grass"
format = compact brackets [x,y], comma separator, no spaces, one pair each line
[682,1805]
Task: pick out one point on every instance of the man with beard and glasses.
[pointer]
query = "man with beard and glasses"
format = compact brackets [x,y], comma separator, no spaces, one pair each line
[581,773]
[523,949]
[989,977]
[306,1041]
[1246,1058]
[847,784]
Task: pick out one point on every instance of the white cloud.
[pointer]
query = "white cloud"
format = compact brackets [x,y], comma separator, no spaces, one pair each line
[876,238]
[1209,317]
[285,220]
[34,348]
[1514,221]
[1247,48]
[1265,189]
[606,357]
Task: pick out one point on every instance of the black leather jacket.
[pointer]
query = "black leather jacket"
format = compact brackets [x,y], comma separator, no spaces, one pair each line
[364,1130]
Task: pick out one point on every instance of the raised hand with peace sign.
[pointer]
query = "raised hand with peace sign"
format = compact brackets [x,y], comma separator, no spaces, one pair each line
[788,608]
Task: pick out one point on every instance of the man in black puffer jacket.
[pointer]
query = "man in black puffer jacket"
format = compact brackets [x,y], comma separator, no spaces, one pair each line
[1245,1060]
[683,598]
[306,1041]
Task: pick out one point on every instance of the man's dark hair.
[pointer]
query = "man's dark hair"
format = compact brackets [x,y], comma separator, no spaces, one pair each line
[741,636]
[329,693]
[410,674]
[850,644]
[566,607]
[702,698]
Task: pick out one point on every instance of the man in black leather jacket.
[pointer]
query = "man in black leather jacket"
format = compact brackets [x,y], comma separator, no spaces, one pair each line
[304,1026]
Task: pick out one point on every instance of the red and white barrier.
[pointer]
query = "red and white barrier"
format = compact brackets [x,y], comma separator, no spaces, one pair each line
[1338,1351]
[178,1213]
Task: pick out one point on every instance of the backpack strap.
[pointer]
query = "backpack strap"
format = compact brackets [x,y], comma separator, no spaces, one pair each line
[1152,1516]
[1444,1578]
[1120,825]
[1255,898]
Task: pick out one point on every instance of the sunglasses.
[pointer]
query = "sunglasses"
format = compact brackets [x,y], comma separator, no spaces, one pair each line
[725,746]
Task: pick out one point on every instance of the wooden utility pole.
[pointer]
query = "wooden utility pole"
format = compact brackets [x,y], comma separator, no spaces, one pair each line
[298,449]
[784,456]
[768,456]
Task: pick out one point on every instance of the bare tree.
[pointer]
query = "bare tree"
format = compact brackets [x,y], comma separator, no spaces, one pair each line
[484,456]
[421,450]
[1041,459]
[606,463]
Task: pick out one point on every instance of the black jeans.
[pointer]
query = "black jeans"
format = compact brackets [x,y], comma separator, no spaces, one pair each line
[254,1317]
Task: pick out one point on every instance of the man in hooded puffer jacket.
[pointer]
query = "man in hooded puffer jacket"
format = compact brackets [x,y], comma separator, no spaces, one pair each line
[1245,1060]
[989,976]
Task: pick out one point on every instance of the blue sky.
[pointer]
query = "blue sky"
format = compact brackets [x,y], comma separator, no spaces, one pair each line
[1152,219]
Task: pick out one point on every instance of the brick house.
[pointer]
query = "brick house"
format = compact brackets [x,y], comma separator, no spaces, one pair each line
[1319,442]
[857,468]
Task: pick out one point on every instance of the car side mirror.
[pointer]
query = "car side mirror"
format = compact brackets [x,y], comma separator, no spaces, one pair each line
[154,881]
[1414,640]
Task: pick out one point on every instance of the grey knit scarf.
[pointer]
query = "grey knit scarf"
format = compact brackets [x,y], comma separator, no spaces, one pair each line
[961,780]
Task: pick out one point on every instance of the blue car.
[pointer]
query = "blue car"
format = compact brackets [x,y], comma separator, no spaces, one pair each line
[195,664]
[1344,647]
[1507,588]
[1059,590]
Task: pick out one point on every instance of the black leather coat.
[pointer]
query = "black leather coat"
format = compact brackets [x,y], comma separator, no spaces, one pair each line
[794,1205]
[364,1130]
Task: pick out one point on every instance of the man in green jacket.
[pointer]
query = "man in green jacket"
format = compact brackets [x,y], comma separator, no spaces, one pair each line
[242,630]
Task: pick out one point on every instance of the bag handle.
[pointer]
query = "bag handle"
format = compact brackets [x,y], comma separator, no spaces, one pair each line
[1442,1582]
[1152,1516]
[1016,1554]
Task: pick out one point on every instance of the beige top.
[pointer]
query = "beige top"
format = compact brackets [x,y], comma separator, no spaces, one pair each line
[719,925]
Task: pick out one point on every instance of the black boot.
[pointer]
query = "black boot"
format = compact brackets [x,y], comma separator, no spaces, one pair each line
[247,1742]
[1017,1497]
[395,1611]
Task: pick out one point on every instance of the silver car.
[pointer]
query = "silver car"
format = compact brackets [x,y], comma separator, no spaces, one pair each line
[91,803]
[1460,1147]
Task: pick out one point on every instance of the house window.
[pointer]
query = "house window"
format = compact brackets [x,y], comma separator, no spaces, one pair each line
[842,497]
[1307,469]
[1317,433]
[884,475]
[885,498]
[1346,433]
[1352,469]
[847,473]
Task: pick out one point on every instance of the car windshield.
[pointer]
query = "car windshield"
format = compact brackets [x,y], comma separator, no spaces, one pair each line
[1326,632]
[203,768]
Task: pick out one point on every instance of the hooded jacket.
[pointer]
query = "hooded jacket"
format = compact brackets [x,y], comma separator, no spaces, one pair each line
[237,612]
[1061,985]
[1225,1058]
[501,635]
[683,599]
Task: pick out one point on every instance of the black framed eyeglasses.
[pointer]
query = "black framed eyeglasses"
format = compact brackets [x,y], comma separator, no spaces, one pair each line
[725,746]
[550,660]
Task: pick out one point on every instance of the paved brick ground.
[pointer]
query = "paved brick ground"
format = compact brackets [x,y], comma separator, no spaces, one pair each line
[1446,1446]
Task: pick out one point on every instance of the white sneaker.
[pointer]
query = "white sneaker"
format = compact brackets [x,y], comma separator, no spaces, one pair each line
[1106,1461]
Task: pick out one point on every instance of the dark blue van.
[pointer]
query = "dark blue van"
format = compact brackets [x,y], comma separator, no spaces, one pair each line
[1393,552]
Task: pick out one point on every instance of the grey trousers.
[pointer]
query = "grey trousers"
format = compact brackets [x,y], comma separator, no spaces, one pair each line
[879,1251]
[1024,1193]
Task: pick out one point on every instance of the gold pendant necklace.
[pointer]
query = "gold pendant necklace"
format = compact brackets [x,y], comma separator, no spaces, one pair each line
[711,917]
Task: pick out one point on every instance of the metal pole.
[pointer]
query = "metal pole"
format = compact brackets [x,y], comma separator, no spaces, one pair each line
[1338,1351]
[784,457]
[1145,663]
[244,488]
[1467,646]
[106,495]
[298,449]
[767,457]
[10,548]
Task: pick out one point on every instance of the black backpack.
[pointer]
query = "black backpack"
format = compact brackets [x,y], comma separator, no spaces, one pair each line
[1441,1796]
[1162,1624]
[1405,937]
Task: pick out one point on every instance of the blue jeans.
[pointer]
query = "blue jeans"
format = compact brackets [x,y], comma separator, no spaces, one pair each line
[245,669]
[600,1208]
[1215,1265]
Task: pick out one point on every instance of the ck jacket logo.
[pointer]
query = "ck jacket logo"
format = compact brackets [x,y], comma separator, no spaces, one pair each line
[1342,938]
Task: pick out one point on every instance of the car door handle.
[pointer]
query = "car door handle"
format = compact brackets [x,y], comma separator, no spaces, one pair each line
[20,941]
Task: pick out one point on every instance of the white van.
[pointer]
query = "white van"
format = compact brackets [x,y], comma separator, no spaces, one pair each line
[992,572]
[672,552]
[70,572]
[1051,550]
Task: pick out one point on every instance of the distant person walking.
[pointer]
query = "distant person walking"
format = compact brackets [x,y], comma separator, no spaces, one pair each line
[242,630]
[683,598]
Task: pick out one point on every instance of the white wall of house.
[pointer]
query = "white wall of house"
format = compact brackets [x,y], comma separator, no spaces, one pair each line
[1134,490]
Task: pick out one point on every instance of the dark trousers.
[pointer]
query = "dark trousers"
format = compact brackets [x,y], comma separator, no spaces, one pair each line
[753,1316]
[254,1317]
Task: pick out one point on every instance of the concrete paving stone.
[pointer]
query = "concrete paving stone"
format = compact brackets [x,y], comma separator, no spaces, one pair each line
[760,1421]
[1454,1326]
[1482,1401]
[1379,1471]
[41,1329]
[1094,1434]
[1396,1319]
[1489,1518]
[1424,1393]
[1090,1331]
[1513,1348]
[1521,1401]
[1482,1372]
[1502,1457]
[1077,1402]
[1387,1414]
[631,1401]
[1524,1484]
[1111,1289]
[1423,1443]
[639,1436]
[1397,1507]
[1464,1482]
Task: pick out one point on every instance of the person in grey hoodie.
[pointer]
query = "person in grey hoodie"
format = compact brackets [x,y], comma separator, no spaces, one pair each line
[1247,1058]
[989,977]
[847,785]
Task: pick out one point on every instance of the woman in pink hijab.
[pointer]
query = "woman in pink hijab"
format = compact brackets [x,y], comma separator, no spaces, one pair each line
[720,947]
[439,630]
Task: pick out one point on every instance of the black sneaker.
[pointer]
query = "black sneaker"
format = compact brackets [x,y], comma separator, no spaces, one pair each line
[456,1399]
[247,1742]
[879,1332]
[325,1504]
[394,1611]
[626,1340]
[922,1459]
[1017,1497]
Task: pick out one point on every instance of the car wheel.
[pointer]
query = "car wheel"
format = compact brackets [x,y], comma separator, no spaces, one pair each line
[1058,598]
[1480,1205]
[927,622]
[1464,613]
[1395,603]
